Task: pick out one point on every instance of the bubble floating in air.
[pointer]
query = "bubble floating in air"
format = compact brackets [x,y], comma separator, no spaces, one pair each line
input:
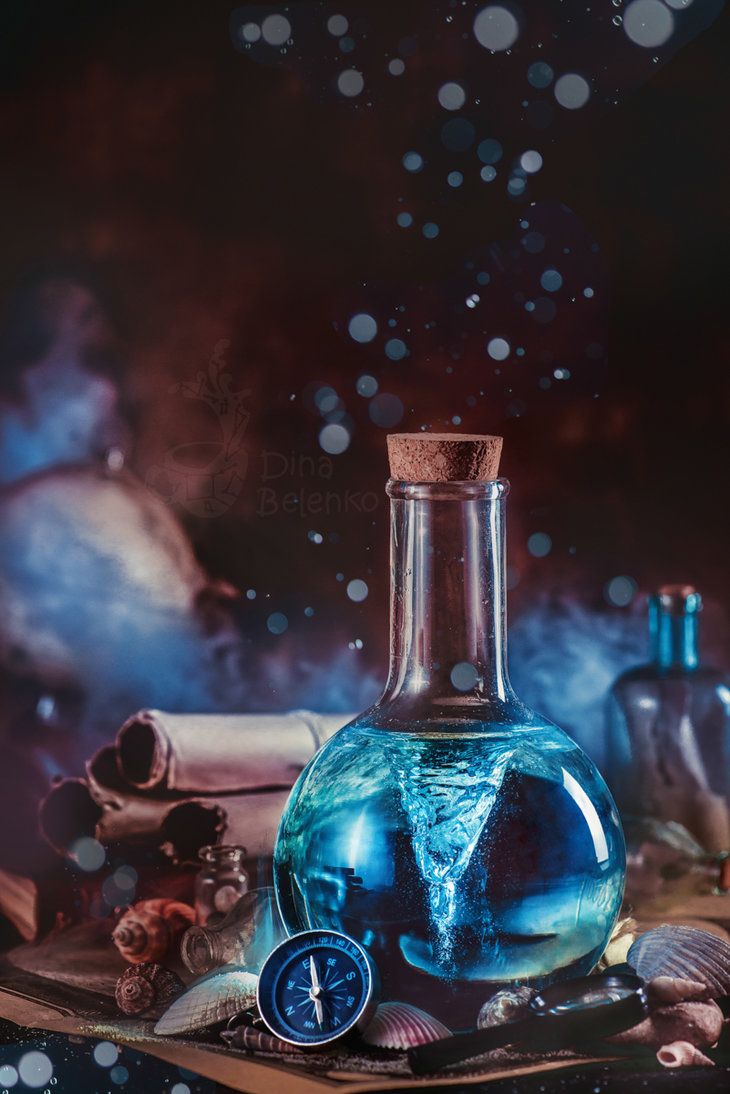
[404,220]
[489,150]
[396,67]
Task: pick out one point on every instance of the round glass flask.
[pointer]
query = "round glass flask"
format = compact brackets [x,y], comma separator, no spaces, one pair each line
[462,838]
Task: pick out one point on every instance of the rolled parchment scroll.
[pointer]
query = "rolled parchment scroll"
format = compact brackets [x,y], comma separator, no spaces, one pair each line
[219,753]
[182,781]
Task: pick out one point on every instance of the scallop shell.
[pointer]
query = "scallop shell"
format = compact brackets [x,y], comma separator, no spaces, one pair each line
[146,987]
[504,1007]
[400,1025]
[684,953]
[209,1001]
[151,929]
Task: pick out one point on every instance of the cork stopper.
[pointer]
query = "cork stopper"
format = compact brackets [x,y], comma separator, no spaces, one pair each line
[444,457]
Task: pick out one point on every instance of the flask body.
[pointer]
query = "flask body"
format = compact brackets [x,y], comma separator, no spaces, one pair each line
[459,836]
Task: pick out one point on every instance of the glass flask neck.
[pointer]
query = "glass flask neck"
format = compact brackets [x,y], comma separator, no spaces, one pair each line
[448,600]
[673,634]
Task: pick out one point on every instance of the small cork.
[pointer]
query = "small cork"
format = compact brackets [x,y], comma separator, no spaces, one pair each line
[444,457]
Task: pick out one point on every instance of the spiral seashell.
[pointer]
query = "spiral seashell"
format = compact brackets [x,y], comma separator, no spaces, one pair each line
[682,1054]
[504,1007]
[151,929]
[146,988]
[211,1000]
[684,953]
[402,1026]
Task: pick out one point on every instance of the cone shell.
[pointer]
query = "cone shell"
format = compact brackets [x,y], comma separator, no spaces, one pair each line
[402,1026]
[146,988]
[683,953]
[504,1007]
[211,1000]
[151,929]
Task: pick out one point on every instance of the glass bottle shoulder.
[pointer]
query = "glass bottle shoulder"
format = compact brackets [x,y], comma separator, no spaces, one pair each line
[704,678]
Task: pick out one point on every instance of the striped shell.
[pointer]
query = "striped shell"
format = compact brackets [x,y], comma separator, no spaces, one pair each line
[684,953]
[504,1007]
[256,1040]
[146,987]
[402,1026]
[209,1001]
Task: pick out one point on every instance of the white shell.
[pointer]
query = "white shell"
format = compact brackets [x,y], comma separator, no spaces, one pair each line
[209,1001]
[402,1026]
[684,953]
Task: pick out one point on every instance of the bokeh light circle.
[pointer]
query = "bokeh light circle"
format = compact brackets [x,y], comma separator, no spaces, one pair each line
[498,349]
[620,591]
[362,327]
[496,28]
[334,439]
[357,590]
[337,25]
[531,161]
[451,96]
[648,23]
[385,410]
[464,676]
[350,83]
[539,544]
[572,91]
[277,623]
[276,29]
[35,1069]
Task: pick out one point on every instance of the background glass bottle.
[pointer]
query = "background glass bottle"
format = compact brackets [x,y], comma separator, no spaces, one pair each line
[461,837]
[669,728]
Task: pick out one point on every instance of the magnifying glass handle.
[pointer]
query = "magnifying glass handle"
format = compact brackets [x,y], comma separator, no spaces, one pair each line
[463,1046]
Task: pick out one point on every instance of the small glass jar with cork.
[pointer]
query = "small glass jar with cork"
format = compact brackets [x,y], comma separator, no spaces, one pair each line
[221,882]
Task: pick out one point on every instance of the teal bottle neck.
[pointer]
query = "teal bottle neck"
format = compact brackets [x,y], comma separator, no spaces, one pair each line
[673,636]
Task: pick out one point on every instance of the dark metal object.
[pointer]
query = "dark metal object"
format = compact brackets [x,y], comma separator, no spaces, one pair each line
[562,1015]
